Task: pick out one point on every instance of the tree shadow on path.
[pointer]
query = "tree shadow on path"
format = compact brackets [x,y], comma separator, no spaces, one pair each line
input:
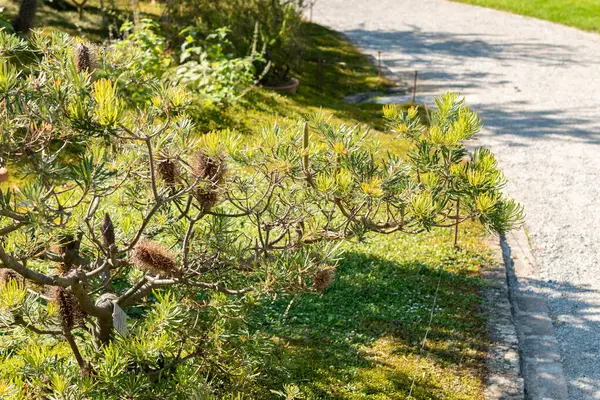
[481,65]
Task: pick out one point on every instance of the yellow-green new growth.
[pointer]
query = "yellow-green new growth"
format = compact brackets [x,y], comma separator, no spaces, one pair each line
[12,294]
[109,109]
[8,78]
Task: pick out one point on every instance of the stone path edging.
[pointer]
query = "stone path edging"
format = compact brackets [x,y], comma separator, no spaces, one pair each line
[503,381]
[540,358]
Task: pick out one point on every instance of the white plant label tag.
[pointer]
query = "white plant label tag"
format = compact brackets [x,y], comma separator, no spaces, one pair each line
[119,320]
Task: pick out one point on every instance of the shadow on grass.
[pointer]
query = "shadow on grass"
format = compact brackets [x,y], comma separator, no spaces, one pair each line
[346,71]
[362,337]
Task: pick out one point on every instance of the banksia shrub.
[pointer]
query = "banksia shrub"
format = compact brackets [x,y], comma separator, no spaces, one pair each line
[23,22]
[323,278]
[70,311]
[83,58]
[211,171]
[107,230]
[272,230]
[155,259]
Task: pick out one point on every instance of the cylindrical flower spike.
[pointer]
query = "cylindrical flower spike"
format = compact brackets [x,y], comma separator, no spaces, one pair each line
[155,259]
[83,58]
[108,231]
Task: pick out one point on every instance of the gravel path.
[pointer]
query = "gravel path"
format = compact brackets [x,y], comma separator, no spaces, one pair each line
[536,86]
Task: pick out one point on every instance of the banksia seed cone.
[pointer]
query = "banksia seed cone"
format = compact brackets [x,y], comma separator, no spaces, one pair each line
[70,311]
[323,278]
[108,231]
[208,168]
[168,171]
[155,259]
[24,19]
[69,250]
[207,198]
[83,58]
[211,171]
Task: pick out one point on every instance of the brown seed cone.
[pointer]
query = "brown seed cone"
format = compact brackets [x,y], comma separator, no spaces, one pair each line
[168,171]
[83,58]
[211,170]
[207,198]
[155,259]
[70,311]
[107,230]
[323,278]
[208,168]
[69,250]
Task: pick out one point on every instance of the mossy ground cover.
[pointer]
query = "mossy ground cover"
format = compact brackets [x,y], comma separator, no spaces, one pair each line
[582,14]
[363,338]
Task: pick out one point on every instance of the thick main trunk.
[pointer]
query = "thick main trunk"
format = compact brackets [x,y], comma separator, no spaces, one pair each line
[102,310]
[105,330]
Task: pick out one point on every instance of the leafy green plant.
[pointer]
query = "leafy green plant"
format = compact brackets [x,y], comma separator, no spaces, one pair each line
[211,69]
[127,212]
[279,25]
[140,59]
[207,67]
[280,31]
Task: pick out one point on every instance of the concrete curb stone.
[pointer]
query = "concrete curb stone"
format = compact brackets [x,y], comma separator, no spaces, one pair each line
[504,381]
[541,365]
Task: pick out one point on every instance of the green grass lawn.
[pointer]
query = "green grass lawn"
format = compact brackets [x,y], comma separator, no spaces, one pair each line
[361,339]
[582,14]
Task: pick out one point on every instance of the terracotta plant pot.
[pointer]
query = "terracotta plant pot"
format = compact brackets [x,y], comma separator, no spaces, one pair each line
[3,174]
[289,87]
